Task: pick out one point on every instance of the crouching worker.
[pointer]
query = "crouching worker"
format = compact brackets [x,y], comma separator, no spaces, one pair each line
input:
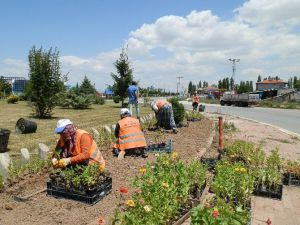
[164,115]
[130,136]
[75,146]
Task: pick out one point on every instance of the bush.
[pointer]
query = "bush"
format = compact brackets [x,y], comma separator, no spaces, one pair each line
[116,99]
[99,100]
[1,183]
[12,99]
[178,110]
[81,101]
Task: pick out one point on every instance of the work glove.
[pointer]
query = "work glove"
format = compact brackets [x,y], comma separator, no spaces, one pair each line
[54,162]
[62,163]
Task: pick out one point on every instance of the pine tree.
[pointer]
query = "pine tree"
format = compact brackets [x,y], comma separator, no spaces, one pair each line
[86,87]
[259,78]
[123,77]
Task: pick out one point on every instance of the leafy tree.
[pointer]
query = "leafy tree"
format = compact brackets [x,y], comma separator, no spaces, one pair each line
[86,87]
[231,83]
[123,77]
[295,81]
[297,85]
[5,87]
[46,80]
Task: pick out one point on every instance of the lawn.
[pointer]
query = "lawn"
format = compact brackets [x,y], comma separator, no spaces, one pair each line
[96,116]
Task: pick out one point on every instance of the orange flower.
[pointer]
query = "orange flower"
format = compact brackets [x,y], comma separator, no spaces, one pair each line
[215,213]
[101,221]
[123,190]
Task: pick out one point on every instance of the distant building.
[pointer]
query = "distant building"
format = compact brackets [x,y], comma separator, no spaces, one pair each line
[271,85]
[18,84]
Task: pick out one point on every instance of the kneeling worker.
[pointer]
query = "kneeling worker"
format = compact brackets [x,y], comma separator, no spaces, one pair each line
[164,115]
[75,146]
[130,135]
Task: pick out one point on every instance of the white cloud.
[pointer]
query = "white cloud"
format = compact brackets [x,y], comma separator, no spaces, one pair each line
[263,34]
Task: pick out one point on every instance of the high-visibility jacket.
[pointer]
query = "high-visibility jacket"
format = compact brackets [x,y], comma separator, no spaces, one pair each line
[95,155]
[196,99]
[130,134]
[160,104]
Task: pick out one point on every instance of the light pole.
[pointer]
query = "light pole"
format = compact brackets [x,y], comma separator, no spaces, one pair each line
[233,61]
[178,84]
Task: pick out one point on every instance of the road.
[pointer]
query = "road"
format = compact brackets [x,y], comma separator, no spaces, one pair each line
[287,119]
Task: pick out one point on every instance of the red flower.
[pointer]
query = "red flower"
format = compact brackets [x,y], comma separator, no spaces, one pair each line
[215,213]
[101,221]
[138,191]
[123,190]
[269,221]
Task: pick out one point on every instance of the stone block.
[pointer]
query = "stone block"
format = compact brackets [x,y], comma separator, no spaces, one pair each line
[43,151]
[95,134]
[5,161]
[107,129]
[25,157]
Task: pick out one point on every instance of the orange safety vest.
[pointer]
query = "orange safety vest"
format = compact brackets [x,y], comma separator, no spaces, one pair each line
[95,154]
[160,103]
[130,134]
[196,99]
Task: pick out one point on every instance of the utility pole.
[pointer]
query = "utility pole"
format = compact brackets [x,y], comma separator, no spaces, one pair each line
[178,84]
[233,61]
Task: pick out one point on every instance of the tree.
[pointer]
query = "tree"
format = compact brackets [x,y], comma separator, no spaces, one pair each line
[297,85]
[45,79]
[231,83]
[123,77]
[5,87]
[295,81]
[259,78]
[86,87]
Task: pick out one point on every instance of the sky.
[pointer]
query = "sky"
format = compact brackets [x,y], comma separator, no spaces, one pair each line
[166,39]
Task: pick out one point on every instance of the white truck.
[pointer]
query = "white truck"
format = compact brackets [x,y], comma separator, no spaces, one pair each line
[244,99]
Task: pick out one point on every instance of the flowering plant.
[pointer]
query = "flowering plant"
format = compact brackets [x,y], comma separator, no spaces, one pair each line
[218,212]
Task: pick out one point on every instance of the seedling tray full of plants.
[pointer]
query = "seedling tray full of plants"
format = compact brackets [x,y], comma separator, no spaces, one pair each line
[160,148]
[81,183]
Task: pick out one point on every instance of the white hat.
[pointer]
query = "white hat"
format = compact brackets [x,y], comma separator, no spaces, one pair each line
[61,124]
[124,111]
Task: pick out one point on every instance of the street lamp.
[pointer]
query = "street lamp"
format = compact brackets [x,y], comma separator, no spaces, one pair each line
[233,61]
[178,84]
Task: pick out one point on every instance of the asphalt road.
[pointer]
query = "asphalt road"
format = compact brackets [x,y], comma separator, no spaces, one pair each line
[287,119]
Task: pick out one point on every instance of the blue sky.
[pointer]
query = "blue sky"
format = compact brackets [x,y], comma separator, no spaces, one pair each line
[166,38]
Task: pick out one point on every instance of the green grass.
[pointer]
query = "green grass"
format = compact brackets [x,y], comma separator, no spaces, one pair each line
[282,105]
[96,116]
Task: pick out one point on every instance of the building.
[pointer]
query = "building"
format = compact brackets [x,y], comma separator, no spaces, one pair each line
[271,85]
[18,84]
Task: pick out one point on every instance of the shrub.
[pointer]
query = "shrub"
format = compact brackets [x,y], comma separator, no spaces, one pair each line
[116,99]
[12,99]
[81,101]
[99,100]
[178,110]
[1,183]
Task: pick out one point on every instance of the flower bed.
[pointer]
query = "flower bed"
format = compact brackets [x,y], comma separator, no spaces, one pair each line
[165,190]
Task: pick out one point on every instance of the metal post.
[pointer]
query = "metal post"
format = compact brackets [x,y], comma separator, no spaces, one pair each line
[221,145]
[178,84]
[233,61]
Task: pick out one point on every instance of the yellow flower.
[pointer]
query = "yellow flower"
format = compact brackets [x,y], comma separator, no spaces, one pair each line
[237,169]
[130,203]
[147,208]
[174,155]
[249,159]
[143,170]
[243,170]
[165,185]
[232,156]
[156,154]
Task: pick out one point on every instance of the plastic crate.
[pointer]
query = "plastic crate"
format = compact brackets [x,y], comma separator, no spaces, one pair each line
[167,148]
[268,193]
[210,162]
[89,197]
[291,179]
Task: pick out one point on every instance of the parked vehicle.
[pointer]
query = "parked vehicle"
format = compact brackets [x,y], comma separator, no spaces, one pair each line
[244,99]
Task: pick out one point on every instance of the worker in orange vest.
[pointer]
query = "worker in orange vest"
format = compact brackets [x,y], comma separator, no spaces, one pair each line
[130,135]
[75,146]
[195,102]
[164,115]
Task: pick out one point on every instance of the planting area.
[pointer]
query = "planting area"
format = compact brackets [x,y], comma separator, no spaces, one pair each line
[189,142]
